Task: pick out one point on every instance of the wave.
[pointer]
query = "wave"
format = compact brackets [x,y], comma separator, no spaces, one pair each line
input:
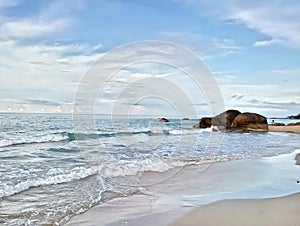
[189,131]
[45,138]
[83,136]
[77,174]
[131,168]
[288,159]
[116,169]
[112,170]
[70,136]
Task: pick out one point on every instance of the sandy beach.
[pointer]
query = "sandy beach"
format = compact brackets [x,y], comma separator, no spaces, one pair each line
[224,194]
[283,211]
[290,129]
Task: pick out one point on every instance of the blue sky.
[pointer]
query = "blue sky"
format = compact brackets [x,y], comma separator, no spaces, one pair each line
[252,49]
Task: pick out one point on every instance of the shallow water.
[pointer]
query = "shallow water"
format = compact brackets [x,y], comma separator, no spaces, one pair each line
[50,171]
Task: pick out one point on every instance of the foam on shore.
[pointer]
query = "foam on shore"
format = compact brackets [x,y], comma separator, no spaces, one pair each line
[249,190]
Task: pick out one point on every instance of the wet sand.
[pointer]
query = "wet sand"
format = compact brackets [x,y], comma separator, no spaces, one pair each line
[283,211]
[290,129]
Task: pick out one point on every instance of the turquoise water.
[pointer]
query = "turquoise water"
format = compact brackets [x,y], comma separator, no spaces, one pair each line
[49,171]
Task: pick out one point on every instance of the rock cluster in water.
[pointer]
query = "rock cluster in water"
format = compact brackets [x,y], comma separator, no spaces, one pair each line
[235,121]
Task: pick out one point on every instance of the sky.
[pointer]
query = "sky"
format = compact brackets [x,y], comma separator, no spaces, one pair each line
[252,49]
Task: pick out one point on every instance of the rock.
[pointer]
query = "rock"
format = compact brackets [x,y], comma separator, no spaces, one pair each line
[185,119]
[277,124]
[205,122]
[294,116]
[215,130]
[224,120]
[235,121]
[197,126]
[294,124]
[163,120]
[297,158]
[249,122]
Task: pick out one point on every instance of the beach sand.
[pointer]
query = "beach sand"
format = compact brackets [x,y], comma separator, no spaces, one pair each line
[283,211]
[240,192]
[290,129]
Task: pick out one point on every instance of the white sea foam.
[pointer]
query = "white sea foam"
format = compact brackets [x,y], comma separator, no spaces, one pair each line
[129,168]
[61,136]
[17,140]
[76,174]
[283,160]
[189,131]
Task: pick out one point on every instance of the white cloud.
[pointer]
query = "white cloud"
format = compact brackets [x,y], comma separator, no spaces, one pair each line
[51,71]
[42,71]
[276,19]
[32,69]
[268,42]
[50,20]
[286,72]
[279,20]
[31,28]
[206,47]
[270,99]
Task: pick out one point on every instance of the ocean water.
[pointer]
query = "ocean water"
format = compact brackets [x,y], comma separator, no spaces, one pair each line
[50,171]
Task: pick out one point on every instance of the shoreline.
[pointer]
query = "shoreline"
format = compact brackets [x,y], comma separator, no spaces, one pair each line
[275,211]
[288,129]
[223,189]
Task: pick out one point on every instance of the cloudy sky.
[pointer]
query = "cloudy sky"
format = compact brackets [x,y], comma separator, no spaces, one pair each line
[252,49]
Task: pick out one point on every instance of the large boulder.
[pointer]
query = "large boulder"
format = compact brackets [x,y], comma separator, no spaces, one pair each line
[235,121]
[224,120]
[249,122]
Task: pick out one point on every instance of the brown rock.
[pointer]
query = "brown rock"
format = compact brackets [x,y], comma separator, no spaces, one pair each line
[278,124]
[235,121]
[205,122]
[249,122]
[163,120]
[224,120]
[294,124]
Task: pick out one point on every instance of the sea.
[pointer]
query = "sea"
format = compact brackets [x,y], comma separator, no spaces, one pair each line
[51,170]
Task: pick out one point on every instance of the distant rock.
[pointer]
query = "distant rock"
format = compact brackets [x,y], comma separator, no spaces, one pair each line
[163,120]
[294,124]
[185,119]
[294,116]
[277,124]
